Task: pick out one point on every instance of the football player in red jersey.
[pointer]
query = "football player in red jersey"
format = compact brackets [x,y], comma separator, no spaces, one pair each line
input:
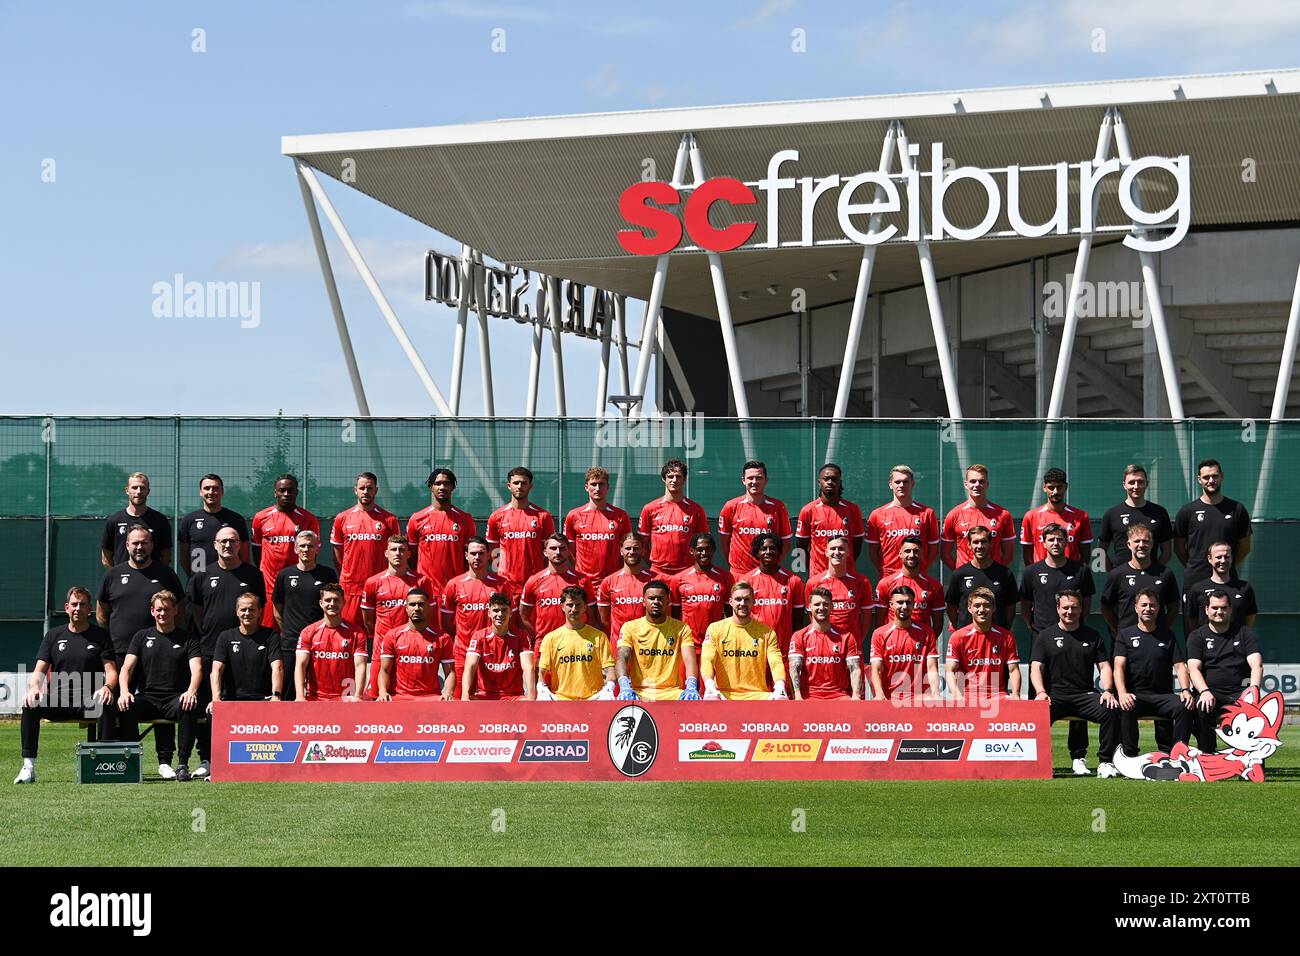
[500,659]
[465,599]
[668,523]
[517,529]
[275,532]
[596,529]
[778,594]
[826,516]
[904,654]
[416,657]
[540,607]
[852,598]
[982,658]
[743,519]
[1078,530]
[700,592]
[901,518]
[438,533]
[360,538]
[383,602]
[331,660]
[825,663]
[619,598]
[977,510]
[929,593]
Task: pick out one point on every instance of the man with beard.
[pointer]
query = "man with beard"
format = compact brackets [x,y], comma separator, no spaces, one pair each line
[1146,657]
[829,515]
[825,662]
[654,650]
[930,597]
[438,533]
[1138,574]
[778,594]
[360,537]
[295,598]
[416,659]
[981,571]
[700,592]
[741,654]
[1078,530]
[904,653]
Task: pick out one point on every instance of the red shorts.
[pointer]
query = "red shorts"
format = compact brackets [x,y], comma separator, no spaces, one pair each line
[352,608]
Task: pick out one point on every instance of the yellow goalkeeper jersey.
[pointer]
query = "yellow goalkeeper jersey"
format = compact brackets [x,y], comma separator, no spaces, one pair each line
[738,658]
[656,667]
[575,661]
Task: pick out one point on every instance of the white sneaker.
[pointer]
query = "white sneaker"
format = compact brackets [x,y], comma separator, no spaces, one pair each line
[26,775]
[1107,770]
[166,772]
[1080,768]
[202,770]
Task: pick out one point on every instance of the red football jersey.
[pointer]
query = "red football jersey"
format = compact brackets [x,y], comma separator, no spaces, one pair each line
[597,536]
[620,593]
[826,656]
[1078,531]
[983,658]
[745,521]
[500,674]
[364,537]
[670,525]
[274,532]
[519,532]
[385,594]
[417,658]
[331,668]
[542,593]
[890,524]
[929,594]
[701,597]
[438,539]
[850,595]
[966,516]
[819,522]
[903,653]
[776,596]
[465,609]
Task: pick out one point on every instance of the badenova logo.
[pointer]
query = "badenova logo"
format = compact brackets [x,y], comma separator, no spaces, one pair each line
[77,909]
[657,230]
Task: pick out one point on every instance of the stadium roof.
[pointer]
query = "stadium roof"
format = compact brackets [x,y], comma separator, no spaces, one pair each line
[542,192]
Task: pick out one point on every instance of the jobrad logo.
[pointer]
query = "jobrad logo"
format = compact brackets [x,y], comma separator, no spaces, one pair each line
[555,751]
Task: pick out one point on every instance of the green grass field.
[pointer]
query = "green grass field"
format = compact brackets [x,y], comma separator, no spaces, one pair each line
[936,823]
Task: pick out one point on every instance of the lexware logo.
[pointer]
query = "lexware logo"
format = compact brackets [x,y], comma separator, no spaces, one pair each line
[482,751]
[657,230]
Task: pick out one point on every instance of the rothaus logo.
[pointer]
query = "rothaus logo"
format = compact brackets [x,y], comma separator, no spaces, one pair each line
[658,230]
[77,909]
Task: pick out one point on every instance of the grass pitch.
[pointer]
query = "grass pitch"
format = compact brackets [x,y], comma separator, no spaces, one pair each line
[1065,821]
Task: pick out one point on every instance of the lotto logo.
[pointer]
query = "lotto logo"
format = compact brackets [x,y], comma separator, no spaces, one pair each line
[788,750]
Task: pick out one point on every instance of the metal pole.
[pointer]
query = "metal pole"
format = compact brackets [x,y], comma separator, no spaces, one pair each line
[864,284]
[331,290]
[466,269]
[484,343]
[1281,395]
[376,293]
[557,352]
[602,378]
[535,366]
[1057,400]
[620,315]
[650,320]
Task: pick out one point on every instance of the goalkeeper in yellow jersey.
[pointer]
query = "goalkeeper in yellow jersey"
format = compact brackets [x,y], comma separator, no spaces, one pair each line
[574,662]
[739,653]
[652,651]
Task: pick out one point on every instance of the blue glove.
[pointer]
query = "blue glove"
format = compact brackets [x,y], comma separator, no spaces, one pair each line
[625,691]
[692,691]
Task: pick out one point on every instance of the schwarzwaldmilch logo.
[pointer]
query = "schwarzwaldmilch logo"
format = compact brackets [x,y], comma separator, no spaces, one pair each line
[633,741]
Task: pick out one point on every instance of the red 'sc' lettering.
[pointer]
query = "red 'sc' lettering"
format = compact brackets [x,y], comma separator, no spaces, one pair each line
[721,189]
[660,230]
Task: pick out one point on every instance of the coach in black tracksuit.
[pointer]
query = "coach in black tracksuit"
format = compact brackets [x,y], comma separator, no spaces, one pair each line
[1146,656]
[1223,660]
[1063,659]
[246,662]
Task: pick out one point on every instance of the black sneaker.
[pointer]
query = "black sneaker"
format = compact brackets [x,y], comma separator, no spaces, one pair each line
[182,773]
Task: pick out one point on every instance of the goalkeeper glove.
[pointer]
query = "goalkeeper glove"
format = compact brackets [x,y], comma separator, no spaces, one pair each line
[692,691]
[605,693]
[711,690]
[778,692]
[625,689]
[544,692]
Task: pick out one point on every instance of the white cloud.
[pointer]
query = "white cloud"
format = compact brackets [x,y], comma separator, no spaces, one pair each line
[460,10]
[769,9]
[604,83]
[398,263]
[1194,23]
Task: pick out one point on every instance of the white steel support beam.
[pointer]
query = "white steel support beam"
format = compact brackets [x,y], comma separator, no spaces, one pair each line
[620,316]
[535,365]
[484,341]
[331,290]
[557,349]
[376,292]
[650,321]
[1281,396]
[602,377]
[466,270]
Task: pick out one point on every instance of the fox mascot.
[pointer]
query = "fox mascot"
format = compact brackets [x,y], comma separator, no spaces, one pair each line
[1251,732]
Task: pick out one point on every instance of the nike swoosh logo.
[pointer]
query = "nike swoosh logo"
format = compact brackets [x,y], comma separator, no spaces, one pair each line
[948,750]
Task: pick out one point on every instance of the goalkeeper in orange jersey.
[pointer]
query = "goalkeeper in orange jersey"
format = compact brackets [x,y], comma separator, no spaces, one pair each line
[574,662]
[740,653]
[653,649]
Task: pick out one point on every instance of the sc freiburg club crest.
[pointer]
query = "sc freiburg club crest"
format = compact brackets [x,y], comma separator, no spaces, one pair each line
[633,741]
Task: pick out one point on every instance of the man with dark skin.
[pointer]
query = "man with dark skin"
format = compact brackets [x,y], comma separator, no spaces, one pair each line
[827,515]
[275,535]
[700,592]
[655,650]
[778,594]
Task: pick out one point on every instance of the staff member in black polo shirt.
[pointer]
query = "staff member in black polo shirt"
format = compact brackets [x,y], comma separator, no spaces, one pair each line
[1241,596]
[112,546]
[246,662]
[1139,573]
[1061,673]
[197,531]
[75,678]
[296,600]
[1043,580]
[1224,660]
[1135,510]
[1209,518]
[1146,657]
[981,571]
[160,681]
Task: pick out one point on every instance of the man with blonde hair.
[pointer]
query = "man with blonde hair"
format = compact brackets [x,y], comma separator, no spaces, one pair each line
[596,531]
[902,518]
[112,546]
[741,653]
[977,511]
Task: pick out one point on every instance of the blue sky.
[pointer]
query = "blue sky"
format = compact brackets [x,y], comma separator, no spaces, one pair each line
[167,160]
